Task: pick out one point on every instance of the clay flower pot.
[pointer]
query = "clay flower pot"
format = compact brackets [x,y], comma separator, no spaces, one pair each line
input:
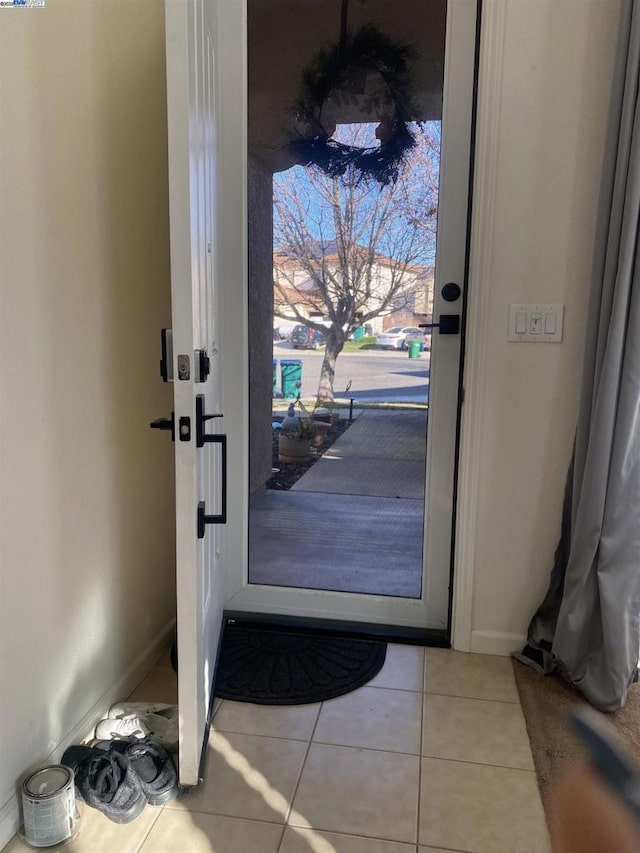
[320,433]
[293,450]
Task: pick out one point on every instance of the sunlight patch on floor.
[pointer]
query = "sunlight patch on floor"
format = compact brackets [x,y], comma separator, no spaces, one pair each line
[272,797]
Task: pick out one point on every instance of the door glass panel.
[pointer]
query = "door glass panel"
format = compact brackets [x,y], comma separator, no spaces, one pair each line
[342,255]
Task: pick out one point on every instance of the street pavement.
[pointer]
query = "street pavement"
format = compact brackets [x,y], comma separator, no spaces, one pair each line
[375,375]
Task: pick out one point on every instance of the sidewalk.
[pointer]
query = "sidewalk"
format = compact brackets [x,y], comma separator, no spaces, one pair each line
[354,521]
[382,453]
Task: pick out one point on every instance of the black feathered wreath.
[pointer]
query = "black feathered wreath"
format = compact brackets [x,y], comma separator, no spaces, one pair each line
[329,76]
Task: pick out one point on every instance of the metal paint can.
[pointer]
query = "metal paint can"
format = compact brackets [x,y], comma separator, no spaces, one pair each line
[49,806]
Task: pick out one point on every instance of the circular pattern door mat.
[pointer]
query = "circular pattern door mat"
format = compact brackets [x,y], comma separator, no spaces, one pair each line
[289,667]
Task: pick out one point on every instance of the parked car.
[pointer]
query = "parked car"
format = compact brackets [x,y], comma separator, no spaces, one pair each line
[282,329]
[303,337]
[399,337]
[420,336]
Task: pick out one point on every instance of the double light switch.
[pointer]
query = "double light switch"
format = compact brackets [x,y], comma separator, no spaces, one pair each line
[536,323]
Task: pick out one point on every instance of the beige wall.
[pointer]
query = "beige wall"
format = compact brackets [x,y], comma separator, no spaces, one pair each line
[87,550]
[545,83]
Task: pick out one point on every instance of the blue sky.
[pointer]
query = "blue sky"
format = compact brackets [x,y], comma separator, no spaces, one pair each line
[303,183]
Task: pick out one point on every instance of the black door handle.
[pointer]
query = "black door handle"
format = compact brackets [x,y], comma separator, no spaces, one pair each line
[201,419]
[221,517]
[449,324]
[201,440]
[165,424]
[170,424]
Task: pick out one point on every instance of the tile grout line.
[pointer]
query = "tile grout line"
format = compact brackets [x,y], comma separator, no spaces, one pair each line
[373,748]
[254,734]
[330,831]
[422,722]
[230,815]
[364,837]
[472,698]
[297,785]
[262,820]
[324,743]
[366,748]
[450,695]
[479,764]
[144,838]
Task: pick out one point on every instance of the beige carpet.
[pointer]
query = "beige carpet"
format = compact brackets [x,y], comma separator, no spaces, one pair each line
[546,701]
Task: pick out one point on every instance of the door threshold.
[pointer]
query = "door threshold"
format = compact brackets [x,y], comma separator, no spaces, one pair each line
[434,637]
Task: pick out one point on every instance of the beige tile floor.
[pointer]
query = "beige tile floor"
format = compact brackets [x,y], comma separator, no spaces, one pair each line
[432,756]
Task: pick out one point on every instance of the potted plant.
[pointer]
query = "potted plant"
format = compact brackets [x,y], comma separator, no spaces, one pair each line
[296,433]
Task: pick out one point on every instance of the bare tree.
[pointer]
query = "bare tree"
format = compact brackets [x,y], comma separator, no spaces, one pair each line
[418,197]
[349,249]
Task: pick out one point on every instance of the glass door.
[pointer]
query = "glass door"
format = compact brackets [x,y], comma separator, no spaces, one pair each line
[354,134]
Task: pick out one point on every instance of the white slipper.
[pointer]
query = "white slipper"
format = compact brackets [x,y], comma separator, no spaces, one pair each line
[123,709]
[124,727]
[162,726]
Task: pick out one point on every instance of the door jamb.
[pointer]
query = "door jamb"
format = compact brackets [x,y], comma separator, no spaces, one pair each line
[481,259]
[492,17]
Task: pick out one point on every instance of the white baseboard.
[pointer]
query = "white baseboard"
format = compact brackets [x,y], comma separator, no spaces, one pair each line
[492,643]
[142,665]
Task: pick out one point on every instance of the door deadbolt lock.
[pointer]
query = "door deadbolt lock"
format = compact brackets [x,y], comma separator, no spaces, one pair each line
[451,292]
[203,365]
[166,362]
[184,367]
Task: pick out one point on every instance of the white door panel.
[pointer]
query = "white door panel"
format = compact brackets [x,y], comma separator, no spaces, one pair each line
[191,109]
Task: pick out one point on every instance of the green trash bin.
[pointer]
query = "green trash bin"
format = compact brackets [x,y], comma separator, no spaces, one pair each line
[358,333]
[274,392]
[291,377]
[414,349]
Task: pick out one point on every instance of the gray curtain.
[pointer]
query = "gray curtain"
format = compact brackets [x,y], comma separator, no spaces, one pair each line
[588,626]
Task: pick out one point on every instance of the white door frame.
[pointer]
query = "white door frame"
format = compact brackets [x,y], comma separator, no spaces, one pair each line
[239,594]
[478,326]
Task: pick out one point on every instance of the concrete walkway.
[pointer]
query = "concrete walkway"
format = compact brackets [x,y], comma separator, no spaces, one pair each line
[382,453]
[354,521]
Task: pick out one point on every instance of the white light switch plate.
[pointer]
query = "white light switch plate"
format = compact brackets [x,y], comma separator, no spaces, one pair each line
[540,324]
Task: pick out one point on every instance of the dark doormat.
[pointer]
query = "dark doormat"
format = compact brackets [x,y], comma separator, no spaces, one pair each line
[281,666]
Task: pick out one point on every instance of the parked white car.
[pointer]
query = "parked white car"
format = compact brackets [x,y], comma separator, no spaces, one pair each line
[398,337]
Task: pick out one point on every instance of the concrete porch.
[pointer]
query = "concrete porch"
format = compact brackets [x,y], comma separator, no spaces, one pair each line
[354,521]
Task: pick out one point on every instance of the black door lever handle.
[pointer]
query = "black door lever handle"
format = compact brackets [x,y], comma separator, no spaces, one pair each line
[201,419]
[165,424]
[219,518]
[449,324]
